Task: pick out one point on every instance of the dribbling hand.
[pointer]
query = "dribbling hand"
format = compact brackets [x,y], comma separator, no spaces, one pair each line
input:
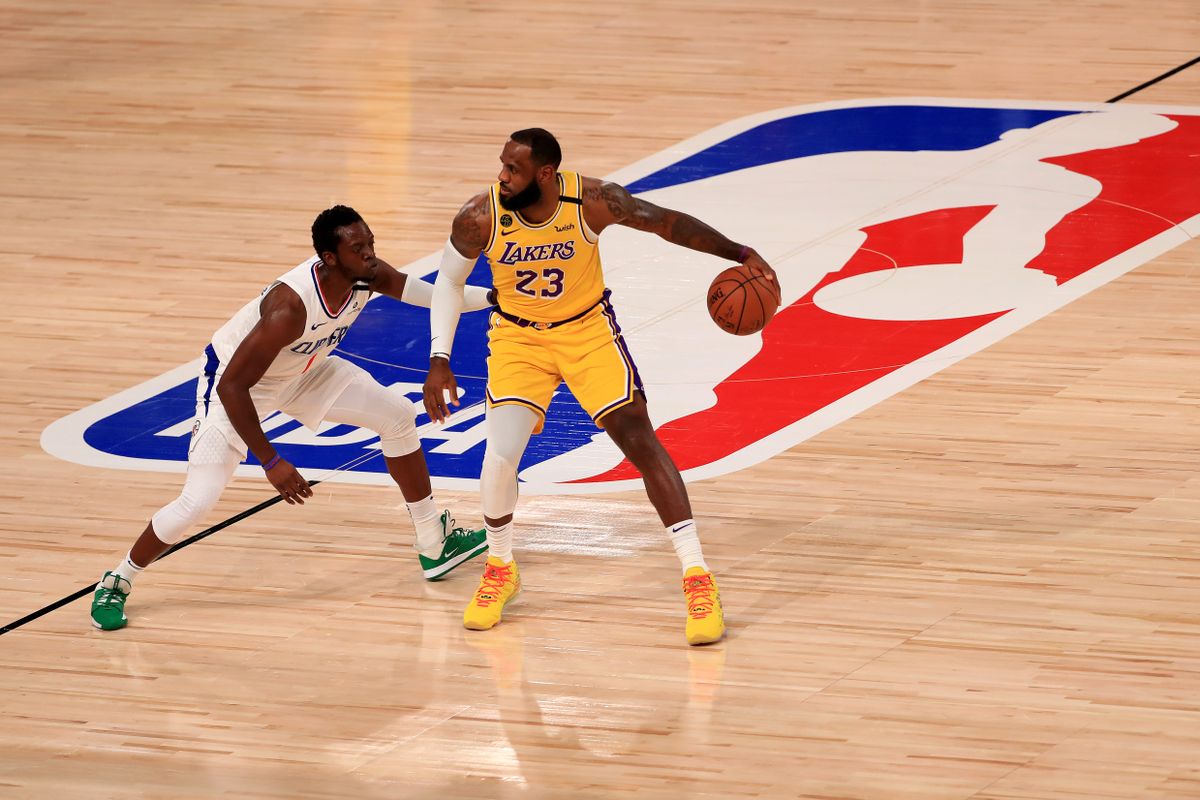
[755,262]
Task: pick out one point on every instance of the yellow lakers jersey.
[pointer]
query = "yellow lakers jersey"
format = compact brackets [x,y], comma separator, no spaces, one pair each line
[548,271]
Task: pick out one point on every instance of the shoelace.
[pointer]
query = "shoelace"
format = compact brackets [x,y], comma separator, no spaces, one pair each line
[492,584]
[457,533]
[454,532]
[111,596]
[699,591]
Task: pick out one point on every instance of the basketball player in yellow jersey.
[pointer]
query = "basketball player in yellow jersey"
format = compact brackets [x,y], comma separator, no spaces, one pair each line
[554,322]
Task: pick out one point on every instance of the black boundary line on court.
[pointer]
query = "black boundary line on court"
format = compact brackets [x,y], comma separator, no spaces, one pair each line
[268,503]
[1153,81]
[177,546]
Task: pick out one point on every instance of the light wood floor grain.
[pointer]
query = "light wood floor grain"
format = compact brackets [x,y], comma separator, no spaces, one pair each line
[986,587]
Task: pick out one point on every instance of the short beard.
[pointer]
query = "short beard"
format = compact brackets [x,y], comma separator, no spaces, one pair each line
[522,199]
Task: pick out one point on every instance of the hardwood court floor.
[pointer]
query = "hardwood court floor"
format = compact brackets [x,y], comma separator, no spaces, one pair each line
[986,587]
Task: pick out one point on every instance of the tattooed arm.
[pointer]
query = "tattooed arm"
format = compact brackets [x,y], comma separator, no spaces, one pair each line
[472,226]
[607,204]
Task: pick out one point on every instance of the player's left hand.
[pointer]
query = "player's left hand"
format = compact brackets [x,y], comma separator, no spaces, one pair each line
[755,263]
[290,484]
[440,391]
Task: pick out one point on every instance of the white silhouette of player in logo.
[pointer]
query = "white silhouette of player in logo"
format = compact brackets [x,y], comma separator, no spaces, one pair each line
[807,215]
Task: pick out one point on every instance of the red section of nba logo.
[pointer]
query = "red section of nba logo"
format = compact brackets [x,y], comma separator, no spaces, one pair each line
[811,358]
[1148,187]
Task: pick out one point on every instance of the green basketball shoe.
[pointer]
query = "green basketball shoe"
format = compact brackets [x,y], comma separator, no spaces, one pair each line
[459,546]
[108,604]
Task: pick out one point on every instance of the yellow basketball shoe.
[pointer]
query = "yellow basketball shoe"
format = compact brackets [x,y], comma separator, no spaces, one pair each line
[706,621]
[500,584]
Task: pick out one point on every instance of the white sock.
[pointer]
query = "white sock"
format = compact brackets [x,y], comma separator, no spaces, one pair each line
[427,520]
[127,569]
[500,542]
[687,544]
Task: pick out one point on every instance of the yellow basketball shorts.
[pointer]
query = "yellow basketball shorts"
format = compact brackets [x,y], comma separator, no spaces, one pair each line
[525,365]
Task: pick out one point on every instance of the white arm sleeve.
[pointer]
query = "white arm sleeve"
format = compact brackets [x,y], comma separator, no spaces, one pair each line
[447,304]
[420,293]
[476,298]
[417,292]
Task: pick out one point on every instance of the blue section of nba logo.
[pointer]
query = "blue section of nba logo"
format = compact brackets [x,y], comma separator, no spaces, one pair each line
[843,130]
[130,431]
[391,339]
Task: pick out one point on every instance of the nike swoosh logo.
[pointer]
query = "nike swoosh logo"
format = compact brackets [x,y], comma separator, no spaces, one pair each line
[506,233]
[319,324]
[678,528]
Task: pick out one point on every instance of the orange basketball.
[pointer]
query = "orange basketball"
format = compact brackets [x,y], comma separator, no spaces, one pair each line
[740,301]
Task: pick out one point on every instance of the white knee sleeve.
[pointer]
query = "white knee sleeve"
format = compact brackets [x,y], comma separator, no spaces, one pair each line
[509,429]
[201,490]
[497,485]
[369,405]
[398,437]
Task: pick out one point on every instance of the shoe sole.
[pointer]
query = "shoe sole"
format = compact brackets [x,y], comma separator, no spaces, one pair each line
[433,573]
[707,640]
[476,627]
[697,642]
[99,627]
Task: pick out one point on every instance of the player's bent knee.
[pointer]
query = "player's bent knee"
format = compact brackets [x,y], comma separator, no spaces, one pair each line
[398,434]
[399,441]
[496,466]
[201,491]
[498,485]
[627,422]
[178,517]
[635,437]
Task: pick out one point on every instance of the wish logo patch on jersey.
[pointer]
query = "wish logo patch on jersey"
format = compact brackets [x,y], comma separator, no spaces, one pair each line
[908,234]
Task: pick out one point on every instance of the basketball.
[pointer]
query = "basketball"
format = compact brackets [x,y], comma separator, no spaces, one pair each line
[740,301]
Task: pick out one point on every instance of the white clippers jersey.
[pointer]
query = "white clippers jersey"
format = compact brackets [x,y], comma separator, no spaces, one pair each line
[324,328]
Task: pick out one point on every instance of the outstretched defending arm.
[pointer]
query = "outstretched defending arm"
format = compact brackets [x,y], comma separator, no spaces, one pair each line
[421,293]
[414,291]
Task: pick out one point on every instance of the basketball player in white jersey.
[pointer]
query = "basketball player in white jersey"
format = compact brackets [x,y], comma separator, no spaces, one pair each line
[274,354]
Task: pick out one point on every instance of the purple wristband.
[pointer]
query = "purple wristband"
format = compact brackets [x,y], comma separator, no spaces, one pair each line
[267,466]
[745,251]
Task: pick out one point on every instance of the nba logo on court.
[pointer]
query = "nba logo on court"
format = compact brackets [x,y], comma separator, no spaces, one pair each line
[907,234]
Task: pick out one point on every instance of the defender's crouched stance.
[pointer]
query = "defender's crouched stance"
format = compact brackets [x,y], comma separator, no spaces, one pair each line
[274,355]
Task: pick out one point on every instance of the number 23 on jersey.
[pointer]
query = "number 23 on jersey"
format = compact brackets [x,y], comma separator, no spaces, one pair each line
[550,286]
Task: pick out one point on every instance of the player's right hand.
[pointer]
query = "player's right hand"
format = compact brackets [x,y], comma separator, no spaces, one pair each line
[289,482]
[756,262]
[440,385]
